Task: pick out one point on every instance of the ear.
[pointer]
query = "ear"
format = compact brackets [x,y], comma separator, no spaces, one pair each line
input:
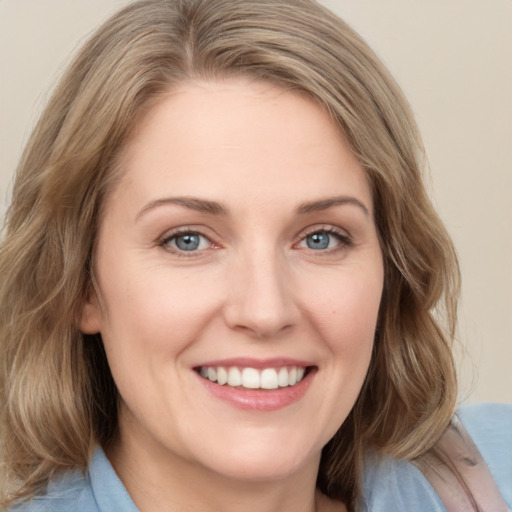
[90,317]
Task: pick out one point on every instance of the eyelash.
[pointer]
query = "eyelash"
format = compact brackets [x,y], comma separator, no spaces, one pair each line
[168,238]
[345,240]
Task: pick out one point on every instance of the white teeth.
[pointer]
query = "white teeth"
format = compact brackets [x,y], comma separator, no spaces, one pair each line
[234,377]
[212,374]
[251,378]
[292,376]
[222,375]
[282,378]
[269,379]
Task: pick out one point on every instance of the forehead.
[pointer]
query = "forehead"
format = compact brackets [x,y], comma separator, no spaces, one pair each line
[239,136]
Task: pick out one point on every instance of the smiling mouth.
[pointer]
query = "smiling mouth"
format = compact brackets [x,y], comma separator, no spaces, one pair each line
[252,378]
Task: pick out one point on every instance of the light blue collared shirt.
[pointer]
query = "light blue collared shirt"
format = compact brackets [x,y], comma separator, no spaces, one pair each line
[389,484]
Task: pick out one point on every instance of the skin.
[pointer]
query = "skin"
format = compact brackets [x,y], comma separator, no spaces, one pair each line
[253,288]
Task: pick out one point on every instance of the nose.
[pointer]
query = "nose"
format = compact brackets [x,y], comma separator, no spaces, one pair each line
[261,301]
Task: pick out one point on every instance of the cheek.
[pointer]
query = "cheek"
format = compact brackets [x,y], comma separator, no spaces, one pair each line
[154,311]
[347,311]
[345,319]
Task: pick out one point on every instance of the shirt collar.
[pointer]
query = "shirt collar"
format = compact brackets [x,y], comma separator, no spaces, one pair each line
[108,491]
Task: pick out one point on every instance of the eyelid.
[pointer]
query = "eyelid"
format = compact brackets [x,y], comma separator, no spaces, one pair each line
[163,241]
[343,236]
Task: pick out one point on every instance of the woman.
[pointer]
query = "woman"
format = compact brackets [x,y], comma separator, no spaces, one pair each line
[220,276]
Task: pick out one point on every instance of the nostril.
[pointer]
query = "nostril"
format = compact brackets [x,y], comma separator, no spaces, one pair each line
[261,303]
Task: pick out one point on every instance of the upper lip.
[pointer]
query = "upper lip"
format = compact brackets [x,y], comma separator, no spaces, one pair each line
[249,362]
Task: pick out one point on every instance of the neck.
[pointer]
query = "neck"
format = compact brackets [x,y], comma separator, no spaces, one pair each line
[168,484]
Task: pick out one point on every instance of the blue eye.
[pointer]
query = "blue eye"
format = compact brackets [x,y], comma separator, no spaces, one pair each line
[324,239]
[187,241]
[318,241]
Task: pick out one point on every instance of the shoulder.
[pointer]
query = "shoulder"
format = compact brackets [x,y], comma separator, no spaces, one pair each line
[97,490]
[490,428]
[488,424]
[68,491]
[389,483]
[394,484]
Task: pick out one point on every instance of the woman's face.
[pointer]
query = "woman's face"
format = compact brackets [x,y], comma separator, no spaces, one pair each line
[240,276]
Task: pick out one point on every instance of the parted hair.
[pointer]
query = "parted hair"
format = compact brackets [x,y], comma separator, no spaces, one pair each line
[57,396]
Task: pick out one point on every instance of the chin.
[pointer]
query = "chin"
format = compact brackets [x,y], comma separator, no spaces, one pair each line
[262,459]
[262,469]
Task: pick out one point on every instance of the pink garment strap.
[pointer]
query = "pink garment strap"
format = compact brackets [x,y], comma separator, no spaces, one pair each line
[459,474]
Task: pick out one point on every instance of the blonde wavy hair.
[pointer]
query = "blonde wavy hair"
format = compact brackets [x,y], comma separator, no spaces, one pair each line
[57,396]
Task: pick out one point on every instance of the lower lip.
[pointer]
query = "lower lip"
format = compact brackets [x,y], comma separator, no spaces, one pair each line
[260,399]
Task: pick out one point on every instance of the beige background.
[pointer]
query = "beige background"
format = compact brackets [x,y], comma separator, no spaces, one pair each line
[454,60]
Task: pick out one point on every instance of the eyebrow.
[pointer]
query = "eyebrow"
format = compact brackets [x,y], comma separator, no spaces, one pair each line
[325,204]
[214,208]
[199,205]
